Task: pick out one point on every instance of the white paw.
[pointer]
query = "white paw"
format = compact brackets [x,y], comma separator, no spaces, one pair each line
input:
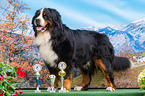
[66,90]
[78,88]
[110,89]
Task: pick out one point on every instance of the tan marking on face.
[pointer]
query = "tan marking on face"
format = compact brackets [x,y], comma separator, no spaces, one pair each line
[50,25]
[45,23]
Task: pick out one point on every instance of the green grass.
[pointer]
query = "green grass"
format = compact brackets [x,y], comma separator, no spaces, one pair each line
[92,92]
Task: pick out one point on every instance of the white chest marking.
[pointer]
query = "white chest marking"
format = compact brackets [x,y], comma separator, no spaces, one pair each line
[45,48]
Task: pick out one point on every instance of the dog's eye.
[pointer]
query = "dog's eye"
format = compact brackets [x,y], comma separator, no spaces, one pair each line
[44,14]
[37,13]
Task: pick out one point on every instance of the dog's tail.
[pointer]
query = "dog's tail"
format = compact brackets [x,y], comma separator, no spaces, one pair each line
[122,63]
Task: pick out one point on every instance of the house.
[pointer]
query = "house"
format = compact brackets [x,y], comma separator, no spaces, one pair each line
[141,59]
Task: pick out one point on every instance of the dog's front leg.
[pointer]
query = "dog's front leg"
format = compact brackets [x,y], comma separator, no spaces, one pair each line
[67,82]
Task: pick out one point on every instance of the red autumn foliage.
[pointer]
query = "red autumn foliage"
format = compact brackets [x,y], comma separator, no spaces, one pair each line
[16,55]
[12,18]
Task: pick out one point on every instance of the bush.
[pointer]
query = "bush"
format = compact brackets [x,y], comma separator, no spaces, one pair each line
[7,84]
[141,79]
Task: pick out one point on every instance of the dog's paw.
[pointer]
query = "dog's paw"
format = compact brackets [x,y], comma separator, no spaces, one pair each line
[110,89]
[66,90]
[78,88]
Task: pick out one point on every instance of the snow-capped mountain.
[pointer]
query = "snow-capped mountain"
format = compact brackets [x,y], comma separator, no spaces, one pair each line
[113,26]
[122,36]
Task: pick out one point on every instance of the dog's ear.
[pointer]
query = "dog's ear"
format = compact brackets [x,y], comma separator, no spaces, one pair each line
[56,18]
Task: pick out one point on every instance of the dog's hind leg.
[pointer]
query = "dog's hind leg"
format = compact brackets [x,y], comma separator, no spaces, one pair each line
[105,67]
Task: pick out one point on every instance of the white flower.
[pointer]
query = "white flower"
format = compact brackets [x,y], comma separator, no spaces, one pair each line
[141,76]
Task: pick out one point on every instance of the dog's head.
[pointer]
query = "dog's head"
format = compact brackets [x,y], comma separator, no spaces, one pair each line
[46,19]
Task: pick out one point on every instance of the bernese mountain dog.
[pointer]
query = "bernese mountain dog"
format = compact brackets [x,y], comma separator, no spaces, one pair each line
[84,49]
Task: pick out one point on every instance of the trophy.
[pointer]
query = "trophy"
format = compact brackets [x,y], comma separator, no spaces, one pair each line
[62,73]
[37,68]
[52,80]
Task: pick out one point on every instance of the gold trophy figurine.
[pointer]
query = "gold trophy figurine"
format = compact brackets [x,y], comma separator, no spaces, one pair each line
[62,73]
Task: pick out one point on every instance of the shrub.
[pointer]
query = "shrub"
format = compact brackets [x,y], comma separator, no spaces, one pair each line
[141,79]
[7,84]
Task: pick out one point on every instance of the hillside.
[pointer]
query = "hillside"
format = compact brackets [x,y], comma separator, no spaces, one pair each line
[123,79]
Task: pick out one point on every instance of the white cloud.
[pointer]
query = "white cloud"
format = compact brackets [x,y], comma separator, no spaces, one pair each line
[114,7]
[71,13]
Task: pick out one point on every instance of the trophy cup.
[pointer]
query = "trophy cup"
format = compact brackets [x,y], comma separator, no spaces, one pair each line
[52,80]
[37,68]
[62,73]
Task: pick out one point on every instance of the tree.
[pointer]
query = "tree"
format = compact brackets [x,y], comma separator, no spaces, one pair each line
[13,18]
[143,54]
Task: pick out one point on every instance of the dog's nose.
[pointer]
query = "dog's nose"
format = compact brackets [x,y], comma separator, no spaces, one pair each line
[37,22]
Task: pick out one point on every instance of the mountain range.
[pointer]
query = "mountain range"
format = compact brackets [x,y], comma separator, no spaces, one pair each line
[125,37]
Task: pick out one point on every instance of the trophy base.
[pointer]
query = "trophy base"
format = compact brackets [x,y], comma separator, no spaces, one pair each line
[62,90]
[51,89]
[37,90]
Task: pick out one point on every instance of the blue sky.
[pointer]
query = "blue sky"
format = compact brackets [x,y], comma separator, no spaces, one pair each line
[78,14]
